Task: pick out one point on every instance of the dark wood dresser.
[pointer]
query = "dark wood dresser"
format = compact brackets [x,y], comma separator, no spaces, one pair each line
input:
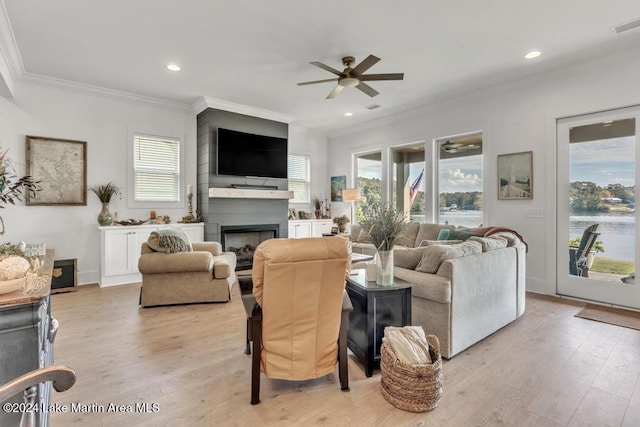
[27,331]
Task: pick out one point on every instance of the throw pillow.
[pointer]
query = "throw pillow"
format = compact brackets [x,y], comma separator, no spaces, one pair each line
[461,234]
[408,258]
[443,234]
[170,240]
[152,242]
[490,243]
[512,239]
[438,242]
[435,254]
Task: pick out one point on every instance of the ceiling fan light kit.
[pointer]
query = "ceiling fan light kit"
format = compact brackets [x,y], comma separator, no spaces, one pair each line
[353,77]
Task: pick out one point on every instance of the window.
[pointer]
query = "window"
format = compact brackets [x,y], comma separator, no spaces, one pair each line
[460,181]
[156,166]
[369,179]
[408,181]
[299,178]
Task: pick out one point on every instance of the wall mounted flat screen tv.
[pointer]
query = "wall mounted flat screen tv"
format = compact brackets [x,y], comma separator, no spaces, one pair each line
[246,154]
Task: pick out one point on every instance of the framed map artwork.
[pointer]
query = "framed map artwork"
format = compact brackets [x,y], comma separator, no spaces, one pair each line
[60,167]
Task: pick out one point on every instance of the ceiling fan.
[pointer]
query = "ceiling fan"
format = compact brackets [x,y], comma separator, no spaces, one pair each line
[354,77]
[451,147]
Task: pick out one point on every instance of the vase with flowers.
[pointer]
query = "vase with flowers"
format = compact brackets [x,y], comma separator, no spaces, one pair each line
[105,192]
[384,226]
[342,222]
[317,205]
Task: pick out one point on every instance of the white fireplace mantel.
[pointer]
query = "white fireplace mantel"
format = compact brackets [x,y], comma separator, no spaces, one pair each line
[248,193]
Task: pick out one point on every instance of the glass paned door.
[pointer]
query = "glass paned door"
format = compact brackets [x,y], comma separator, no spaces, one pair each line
[597,239]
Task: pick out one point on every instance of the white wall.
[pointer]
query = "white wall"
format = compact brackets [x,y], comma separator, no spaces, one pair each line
[516,117]
[104,121]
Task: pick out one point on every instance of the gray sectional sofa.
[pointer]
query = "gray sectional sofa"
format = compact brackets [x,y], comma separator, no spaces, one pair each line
[463,291]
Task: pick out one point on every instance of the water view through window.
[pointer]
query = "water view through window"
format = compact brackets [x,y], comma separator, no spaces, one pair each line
[602,192]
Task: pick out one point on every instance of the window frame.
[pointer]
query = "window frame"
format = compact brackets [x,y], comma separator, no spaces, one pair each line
[306,181]
[131,202]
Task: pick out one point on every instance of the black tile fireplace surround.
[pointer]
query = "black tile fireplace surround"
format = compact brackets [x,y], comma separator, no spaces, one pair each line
[244,239]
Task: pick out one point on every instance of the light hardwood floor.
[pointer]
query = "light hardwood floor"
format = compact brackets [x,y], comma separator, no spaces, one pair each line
[546,369]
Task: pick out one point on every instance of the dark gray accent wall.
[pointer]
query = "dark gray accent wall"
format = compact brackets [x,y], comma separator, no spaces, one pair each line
[218,212]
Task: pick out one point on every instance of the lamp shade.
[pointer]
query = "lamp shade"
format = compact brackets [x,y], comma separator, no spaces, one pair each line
[351,194]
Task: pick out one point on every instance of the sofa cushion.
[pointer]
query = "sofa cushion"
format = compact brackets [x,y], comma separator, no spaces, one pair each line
[409,235]
[512,239]
[430,231]
[407,257]
[162,263]
[433,287]
[355,232]
[490,243]
[435,254]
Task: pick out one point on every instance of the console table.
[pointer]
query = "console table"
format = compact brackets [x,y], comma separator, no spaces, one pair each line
[27,331]
[374,308]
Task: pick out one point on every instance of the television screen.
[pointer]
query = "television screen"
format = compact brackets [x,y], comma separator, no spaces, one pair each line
[246,154]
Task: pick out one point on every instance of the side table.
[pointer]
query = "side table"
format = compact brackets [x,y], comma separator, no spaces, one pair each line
[374,308]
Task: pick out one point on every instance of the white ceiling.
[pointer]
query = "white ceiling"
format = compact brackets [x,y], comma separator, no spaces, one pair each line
[253,52]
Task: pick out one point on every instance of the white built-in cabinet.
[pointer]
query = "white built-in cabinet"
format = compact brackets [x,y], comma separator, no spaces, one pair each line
[120,250]
[309,228]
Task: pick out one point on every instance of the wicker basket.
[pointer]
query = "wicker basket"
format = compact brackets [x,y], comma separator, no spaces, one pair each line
[409,387]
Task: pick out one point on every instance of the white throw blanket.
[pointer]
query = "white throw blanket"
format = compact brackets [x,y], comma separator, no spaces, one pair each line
[409,343]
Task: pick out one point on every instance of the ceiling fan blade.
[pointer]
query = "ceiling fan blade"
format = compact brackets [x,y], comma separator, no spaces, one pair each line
[317,81]
[389,76]
[326,67]
[368,62]
[367,89]
[335,92]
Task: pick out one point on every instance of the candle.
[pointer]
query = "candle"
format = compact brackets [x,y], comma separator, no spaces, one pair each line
[189,190]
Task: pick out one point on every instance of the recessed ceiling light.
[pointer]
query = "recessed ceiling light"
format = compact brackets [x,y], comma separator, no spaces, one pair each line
[348,114]
[173,67]
[532,54]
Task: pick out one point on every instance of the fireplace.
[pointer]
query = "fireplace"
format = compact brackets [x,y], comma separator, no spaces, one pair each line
[244,239]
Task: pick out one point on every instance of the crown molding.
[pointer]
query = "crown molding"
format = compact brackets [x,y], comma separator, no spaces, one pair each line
[205,102]
[46,81]
[11,67]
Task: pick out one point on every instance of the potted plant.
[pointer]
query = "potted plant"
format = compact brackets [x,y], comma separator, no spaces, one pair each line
[384,226]
[105,192]
[12,188]
[342,222]
[317,205]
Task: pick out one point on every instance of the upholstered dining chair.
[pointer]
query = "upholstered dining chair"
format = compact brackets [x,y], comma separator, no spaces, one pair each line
[298,326]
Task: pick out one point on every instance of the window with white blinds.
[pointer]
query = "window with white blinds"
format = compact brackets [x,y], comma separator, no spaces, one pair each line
[156,167]
[299,178]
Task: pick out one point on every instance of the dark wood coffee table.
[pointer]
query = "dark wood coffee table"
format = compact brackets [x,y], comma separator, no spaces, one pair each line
[374,308]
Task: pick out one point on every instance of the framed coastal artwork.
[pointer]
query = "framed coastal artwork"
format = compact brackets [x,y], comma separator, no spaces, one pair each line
[515,176]
[338,183]
[60,167]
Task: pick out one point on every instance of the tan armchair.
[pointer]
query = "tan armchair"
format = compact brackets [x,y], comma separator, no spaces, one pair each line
[204,275]
[298,326]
